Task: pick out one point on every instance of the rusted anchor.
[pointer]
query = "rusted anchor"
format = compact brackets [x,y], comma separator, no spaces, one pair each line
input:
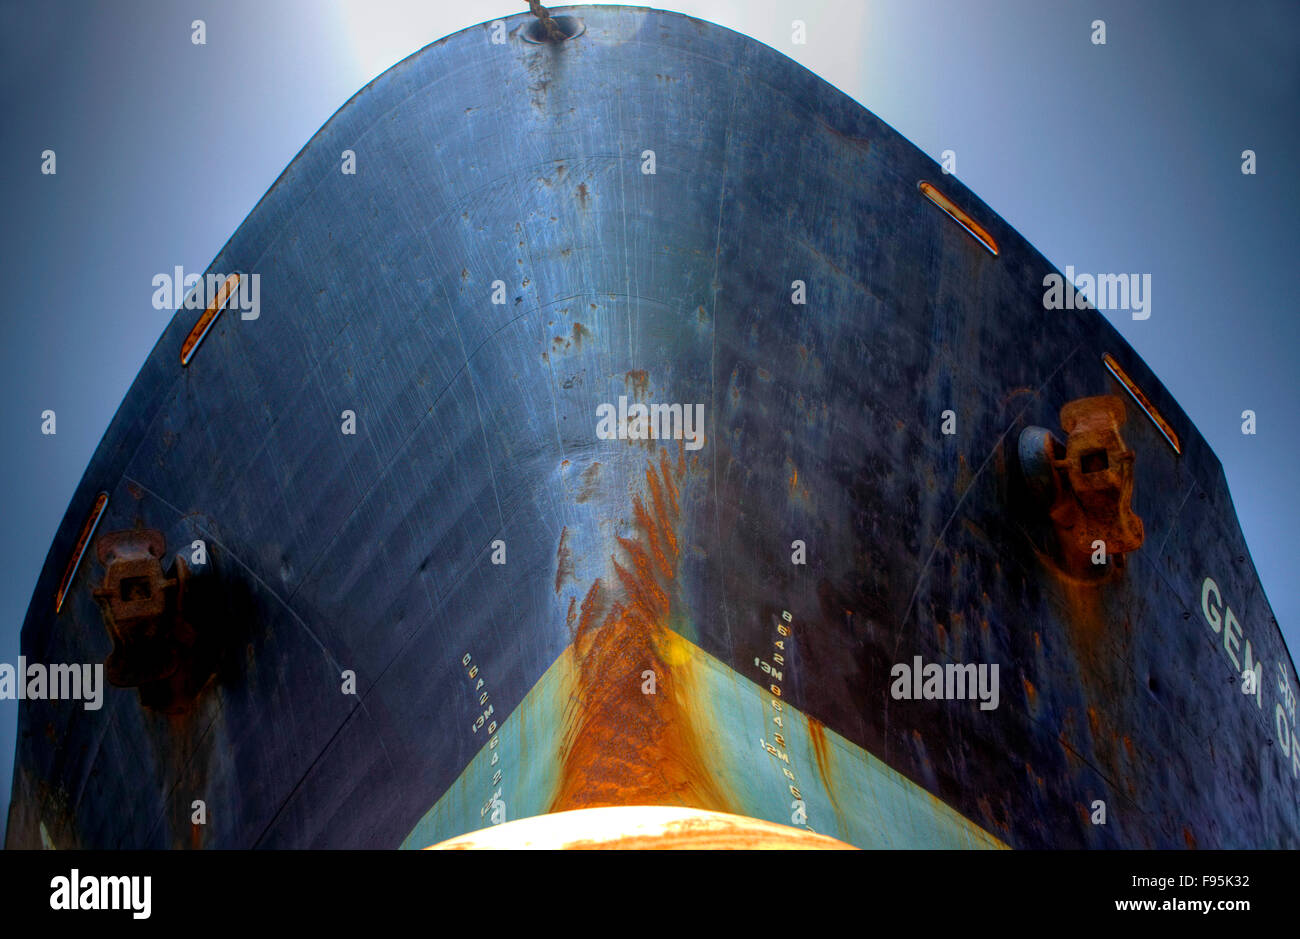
[155,646]
[1087,481]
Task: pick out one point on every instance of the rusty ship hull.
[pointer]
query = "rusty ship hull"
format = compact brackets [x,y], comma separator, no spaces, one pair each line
[469,606]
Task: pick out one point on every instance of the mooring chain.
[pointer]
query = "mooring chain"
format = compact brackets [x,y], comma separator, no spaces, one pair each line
[548,22]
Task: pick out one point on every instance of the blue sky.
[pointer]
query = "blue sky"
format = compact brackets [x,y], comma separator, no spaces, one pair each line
[1122,157]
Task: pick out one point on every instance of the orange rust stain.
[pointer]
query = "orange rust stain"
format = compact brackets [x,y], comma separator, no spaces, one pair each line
[1188,837]
[647,525]
[639,381]
[1032,776]
[1094,724]
[1064,742]
[822,756]
[621,746]
[664,525]
[963,479]
[821,753]
[580,333]
[992,820]
[1087,632]
[649,599]
[670,488]
[1031,693]
[571,618]
[188,759]
[588,482]
[794,478]
[582,195]
[1084,612]
[681,458]
[592,605]
[563,560]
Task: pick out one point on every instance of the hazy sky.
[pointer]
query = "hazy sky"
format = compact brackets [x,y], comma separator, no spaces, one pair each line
[1122,157]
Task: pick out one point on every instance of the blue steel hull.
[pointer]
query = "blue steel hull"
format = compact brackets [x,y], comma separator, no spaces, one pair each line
[373,553]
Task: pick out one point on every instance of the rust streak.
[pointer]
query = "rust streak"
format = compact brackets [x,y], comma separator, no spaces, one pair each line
[670,488]
[648,526]
[639,381]
[1031,693]
[591,606]
[622,746]
[822,756]
[649,602]
[817,734]
[588,481]
[563,560]
[665,525]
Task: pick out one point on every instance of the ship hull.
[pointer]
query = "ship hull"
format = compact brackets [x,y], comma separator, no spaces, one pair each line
[713,622]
